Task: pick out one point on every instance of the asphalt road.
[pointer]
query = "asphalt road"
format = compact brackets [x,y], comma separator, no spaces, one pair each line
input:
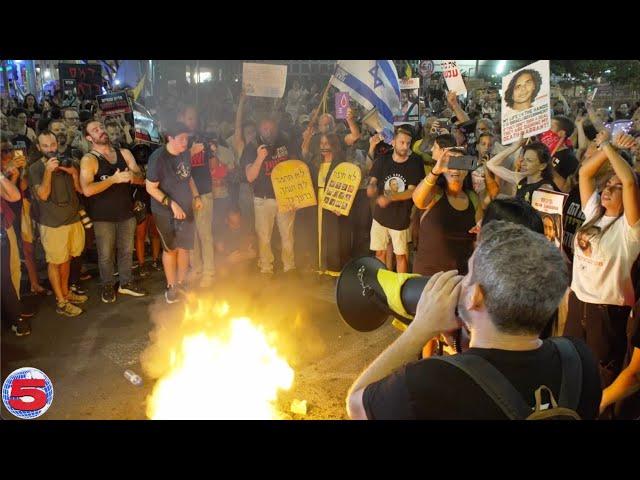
[86,356]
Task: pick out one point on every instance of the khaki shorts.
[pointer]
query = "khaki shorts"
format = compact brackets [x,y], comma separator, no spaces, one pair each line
[62,243]
[380,239]
[26,228]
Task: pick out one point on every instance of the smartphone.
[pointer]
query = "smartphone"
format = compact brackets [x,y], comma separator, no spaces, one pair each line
[619,126]
[465,162]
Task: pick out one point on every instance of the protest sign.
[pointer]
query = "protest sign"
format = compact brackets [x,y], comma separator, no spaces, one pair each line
[88,78]
[549,205]
[341,188]
[426,68]
[115,103]
[453,77]
[409,101]
[292,185]
[526,108]
[342,105]
[264,80]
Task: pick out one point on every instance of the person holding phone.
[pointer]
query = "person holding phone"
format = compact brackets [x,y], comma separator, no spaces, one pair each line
[451,209]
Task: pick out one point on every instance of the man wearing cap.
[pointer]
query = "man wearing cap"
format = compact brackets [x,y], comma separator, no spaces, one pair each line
[174,198]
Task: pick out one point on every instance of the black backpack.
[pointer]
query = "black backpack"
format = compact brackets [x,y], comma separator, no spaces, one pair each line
[505,395]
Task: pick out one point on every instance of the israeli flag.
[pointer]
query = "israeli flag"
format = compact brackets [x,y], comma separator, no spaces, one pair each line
[374,85]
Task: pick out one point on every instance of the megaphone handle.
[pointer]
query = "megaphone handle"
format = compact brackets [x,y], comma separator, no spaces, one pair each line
[382,305]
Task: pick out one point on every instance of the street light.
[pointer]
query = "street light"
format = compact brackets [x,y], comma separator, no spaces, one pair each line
[500,66]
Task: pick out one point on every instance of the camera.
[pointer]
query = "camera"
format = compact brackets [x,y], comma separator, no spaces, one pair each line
[65,160]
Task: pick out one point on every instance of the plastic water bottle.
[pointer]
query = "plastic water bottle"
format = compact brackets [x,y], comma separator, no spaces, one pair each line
[133,377]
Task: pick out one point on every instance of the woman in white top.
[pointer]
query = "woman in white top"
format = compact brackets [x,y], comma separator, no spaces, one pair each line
[606,247]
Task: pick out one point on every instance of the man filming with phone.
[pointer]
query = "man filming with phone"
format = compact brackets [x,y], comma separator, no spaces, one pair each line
[515,282]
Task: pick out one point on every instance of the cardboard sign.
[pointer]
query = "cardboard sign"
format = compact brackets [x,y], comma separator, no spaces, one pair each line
[550,205]
[453,77]
[114,103]
[526,105]
[341,188]
[264,80]
[292,185]
[69,87]
[342,105]
[88,78]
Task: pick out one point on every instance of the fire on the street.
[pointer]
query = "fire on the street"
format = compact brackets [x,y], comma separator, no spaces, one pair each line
[229,369]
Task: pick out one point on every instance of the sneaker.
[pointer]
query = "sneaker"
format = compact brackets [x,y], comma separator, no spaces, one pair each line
[21,328]
[75,298]
[171,295]
[135,266]
[77,289]
[68,309]
[157,265]
[144,271]
[108,294]
[132,289]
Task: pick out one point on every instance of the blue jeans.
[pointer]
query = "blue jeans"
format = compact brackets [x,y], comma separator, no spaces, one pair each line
[112,235]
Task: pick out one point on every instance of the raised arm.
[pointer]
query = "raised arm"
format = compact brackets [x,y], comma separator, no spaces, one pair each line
[589,169]
[354,130]
[238,138]
[461,115]
[630,189]
[495,164]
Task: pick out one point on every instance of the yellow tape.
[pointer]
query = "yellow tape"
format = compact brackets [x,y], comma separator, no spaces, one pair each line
[391,283]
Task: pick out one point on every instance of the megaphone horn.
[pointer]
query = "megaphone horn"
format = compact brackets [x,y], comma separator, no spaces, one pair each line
[367,294]
[372,120]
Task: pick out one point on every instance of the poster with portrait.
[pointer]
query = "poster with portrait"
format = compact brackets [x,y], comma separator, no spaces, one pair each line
[342,188]
[526,104]
[292,185]
[549,205]
[409,101]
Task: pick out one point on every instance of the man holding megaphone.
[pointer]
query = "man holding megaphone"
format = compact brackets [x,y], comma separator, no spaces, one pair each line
[515,282]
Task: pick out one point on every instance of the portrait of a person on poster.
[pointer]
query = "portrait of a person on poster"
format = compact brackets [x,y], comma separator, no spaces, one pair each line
[526,106]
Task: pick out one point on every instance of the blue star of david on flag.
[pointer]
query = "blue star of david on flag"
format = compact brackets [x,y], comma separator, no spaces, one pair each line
[377,82]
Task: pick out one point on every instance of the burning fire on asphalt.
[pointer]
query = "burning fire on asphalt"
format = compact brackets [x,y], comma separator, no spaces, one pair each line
[222,368]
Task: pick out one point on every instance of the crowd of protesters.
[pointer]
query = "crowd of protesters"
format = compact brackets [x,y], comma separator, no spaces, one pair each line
[75,181]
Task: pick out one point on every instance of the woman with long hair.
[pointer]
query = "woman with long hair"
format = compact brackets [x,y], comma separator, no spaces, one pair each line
[536,168]
[606,247]
[333,228]
[452,209]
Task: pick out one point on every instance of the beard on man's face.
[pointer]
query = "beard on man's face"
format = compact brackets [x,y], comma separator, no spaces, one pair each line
[62,139]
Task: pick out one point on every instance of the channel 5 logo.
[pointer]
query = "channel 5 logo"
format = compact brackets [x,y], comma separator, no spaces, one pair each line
[27,393]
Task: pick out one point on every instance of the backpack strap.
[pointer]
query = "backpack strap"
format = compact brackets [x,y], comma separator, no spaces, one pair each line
[571,384]
[494,384]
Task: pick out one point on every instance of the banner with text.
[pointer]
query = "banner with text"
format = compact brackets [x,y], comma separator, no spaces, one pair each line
[264,80]
[453,77]
[114,103]
[292,184]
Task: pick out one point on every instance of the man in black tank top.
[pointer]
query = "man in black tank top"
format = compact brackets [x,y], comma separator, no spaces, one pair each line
[105,175]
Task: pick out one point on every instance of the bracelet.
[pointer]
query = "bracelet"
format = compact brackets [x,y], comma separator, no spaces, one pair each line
[197,196]
[603,144]
[429,183]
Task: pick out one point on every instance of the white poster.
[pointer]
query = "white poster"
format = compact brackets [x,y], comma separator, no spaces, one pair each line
[526,108]
[264,80]
[549,205]
[453,77]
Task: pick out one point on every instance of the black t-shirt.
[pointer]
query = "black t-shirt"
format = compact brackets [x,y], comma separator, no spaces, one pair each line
[394,177]
[173,172]
[201,172]
[431,389]
[280,151]
[565,162]
[573,220]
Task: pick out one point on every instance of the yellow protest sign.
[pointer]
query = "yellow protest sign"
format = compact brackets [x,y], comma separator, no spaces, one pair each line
[341,188]
[292,185]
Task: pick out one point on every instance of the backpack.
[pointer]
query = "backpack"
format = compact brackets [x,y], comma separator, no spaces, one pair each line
[505,395]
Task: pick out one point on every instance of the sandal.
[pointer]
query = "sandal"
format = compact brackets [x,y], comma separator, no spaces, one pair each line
[44,291]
